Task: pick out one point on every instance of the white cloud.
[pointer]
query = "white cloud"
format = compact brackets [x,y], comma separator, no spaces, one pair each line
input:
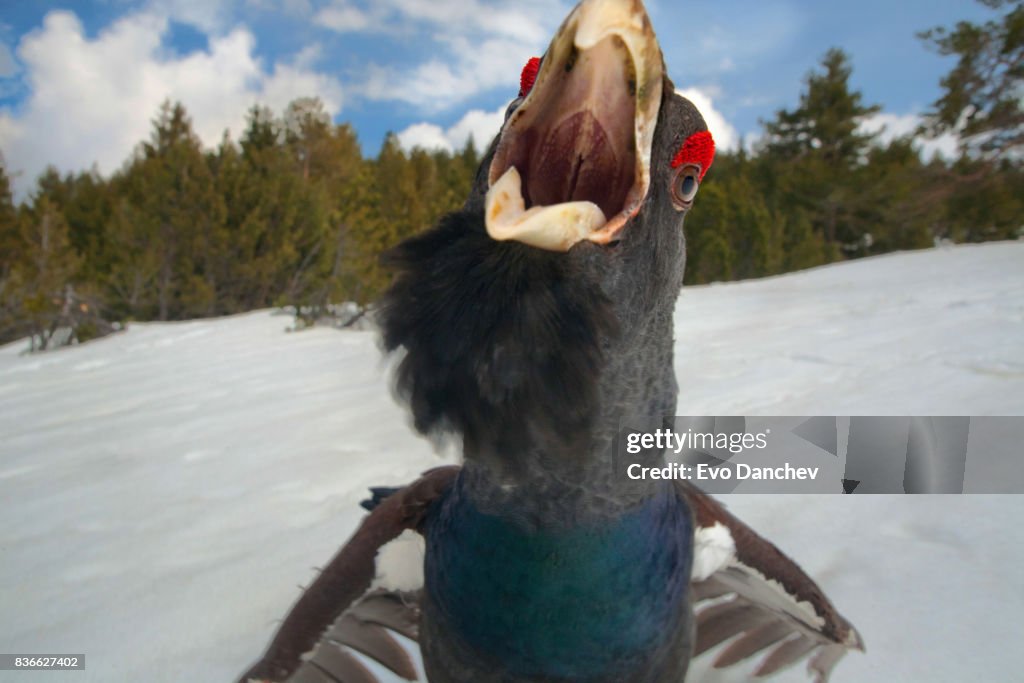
[344,18]
[444,82]
[525,20]
[724,133]
[518,20]
[478,45]
[766,31]
[8,67]
[482,125]
[209,16]
[294,8]
[308,56]
[428,136]
[92,100]
[892,126]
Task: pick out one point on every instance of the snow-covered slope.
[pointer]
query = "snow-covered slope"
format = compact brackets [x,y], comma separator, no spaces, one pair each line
[163,491]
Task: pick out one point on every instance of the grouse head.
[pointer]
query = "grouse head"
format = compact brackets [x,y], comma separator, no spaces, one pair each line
[539,314]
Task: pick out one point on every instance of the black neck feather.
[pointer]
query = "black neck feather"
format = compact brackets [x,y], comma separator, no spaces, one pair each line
[503,344]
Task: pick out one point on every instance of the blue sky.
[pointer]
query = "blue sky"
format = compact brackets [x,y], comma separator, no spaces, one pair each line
[80,81]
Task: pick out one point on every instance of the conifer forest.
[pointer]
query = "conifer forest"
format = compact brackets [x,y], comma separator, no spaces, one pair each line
[292,213]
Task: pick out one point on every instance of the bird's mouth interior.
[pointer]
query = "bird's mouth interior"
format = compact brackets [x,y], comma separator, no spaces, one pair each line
[579,145]
[572,162]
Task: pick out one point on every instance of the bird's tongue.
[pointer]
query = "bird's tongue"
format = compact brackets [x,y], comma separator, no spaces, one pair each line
[577,161]
[577,154]
[556,227]
[573,160]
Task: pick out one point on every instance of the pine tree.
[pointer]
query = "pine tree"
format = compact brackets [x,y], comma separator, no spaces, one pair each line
[826,122]
[987,205]
[169,216]
[11,249]
[802,246]
[709,250]
[133,262]
[46,271]
[811,151]
[982,100]
[263,209]
[328,159]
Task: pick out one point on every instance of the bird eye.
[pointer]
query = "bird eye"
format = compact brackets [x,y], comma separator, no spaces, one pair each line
[685,186]
[512,106]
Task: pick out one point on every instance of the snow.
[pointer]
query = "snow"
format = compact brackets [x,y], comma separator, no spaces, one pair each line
[935,332]
[713,549]
[164,490]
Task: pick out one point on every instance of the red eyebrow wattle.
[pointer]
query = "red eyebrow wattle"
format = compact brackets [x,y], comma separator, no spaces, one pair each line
[698,149]
[528,76]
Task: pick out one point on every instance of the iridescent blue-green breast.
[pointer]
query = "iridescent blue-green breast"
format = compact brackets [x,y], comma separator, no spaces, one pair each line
[578,603]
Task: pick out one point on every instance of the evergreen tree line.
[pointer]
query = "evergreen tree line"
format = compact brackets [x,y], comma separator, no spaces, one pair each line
[817,189]
[290,215]
[293,214]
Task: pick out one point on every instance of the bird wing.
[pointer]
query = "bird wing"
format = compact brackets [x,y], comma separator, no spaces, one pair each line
[344,610]
[746,589]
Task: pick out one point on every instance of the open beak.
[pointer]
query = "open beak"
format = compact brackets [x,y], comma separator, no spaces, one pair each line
[573,160]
